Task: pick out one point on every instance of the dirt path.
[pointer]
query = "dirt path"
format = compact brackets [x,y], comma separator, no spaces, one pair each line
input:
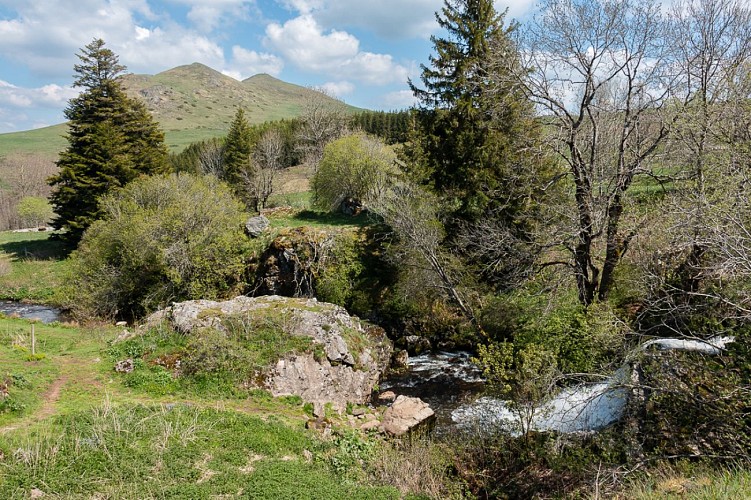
[49,399]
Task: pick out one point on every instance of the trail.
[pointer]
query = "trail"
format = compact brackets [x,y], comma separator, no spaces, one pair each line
[49,399]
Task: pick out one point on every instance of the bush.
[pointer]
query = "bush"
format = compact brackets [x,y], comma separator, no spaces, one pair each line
[34,211]
[357,168]
[162,239]
[582,340]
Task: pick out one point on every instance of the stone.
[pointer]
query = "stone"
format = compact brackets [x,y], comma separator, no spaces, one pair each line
[124,366]
[339,376]
[358,411]
[386,396]
[121,323]
[405,415]
[37,493]
[318,410]
[370,425]
[416,345]
[255,226]
[289,264]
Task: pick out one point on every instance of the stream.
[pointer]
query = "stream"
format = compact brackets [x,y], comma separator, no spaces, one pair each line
[444,380]
[450,383]
[45,314]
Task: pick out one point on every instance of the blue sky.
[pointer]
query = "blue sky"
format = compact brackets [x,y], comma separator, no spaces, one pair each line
[363,51]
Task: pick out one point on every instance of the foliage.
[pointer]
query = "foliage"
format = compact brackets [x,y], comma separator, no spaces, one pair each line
[525,377]
[390,126]
[112,140]
[581,340]
[697,405]
[162,239]
[339,276]
[356,168]
[187,452]
[472,129]
[237,149]
[34,211]
[200,158]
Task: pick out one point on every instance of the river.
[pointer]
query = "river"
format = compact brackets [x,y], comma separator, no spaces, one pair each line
[45,314]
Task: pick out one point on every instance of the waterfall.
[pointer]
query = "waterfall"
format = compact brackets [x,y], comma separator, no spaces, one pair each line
[585,407]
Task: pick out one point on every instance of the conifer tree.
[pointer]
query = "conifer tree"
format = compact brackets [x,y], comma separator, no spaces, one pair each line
[471,129]
[238,145]
[112,139]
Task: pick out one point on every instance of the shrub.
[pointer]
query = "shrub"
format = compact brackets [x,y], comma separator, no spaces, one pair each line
[162,239]
[356,167]
[34,211]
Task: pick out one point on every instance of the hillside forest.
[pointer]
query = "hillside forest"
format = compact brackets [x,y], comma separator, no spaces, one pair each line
[564,191]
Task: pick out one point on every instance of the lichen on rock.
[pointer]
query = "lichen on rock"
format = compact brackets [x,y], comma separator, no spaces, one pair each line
[345,362]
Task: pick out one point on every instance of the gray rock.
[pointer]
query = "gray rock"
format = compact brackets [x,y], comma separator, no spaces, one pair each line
[400,360]
[406,414]
[255,226]
[124,366]
[386,397]
[370,425]
[343,375]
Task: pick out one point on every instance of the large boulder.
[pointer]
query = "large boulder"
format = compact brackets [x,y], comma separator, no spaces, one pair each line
[406,414]
[347,363]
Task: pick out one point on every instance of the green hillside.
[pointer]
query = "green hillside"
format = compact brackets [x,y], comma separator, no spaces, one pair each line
[191,103]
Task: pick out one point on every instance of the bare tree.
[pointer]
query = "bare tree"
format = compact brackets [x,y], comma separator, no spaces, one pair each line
[600,72]
[267,161]
[23,175]
[210,157]
[322,121]
[707,239]
[411,212]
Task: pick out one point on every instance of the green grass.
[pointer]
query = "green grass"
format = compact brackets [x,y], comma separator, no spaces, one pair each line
[32,267]
[318,220]
[691,483]
[300,201]
[97,437]
[48,141]
[171,451]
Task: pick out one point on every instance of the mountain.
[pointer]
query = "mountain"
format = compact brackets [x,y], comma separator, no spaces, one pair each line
[191,103]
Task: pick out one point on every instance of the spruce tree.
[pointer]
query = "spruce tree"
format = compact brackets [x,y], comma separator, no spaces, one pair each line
[471,128]
[112,139]
[238,146]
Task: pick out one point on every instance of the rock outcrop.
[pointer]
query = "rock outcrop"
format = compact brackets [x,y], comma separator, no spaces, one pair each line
[288,265]
[347,361]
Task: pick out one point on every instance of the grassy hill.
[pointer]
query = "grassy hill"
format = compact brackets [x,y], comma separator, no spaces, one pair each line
[191,103]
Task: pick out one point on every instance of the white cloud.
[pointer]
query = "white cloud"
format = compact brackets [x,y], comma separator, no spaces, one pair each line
[337,53]
[208,15]
[52,96]
[387,18]
[246,63]
[46,34]
[338,89]
[399,100]
[142,33]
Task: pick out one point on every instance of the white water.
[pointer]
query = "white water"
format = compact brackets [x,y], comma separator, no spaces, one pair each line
[586,407]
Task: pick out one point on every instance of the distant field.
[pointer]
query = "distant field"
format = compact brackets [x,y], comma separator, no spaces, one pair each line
[47,141]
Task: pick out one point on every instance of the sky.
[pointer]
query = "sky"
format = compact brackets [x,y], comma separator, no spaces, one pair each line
[362,51]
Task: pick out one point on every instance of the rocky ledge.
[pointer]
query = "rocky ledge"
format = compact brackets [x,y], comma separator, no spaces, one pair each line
[355,355]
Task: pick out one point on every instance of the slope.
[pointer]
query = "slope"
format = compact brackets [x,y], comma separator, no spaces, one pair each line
[191,102]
